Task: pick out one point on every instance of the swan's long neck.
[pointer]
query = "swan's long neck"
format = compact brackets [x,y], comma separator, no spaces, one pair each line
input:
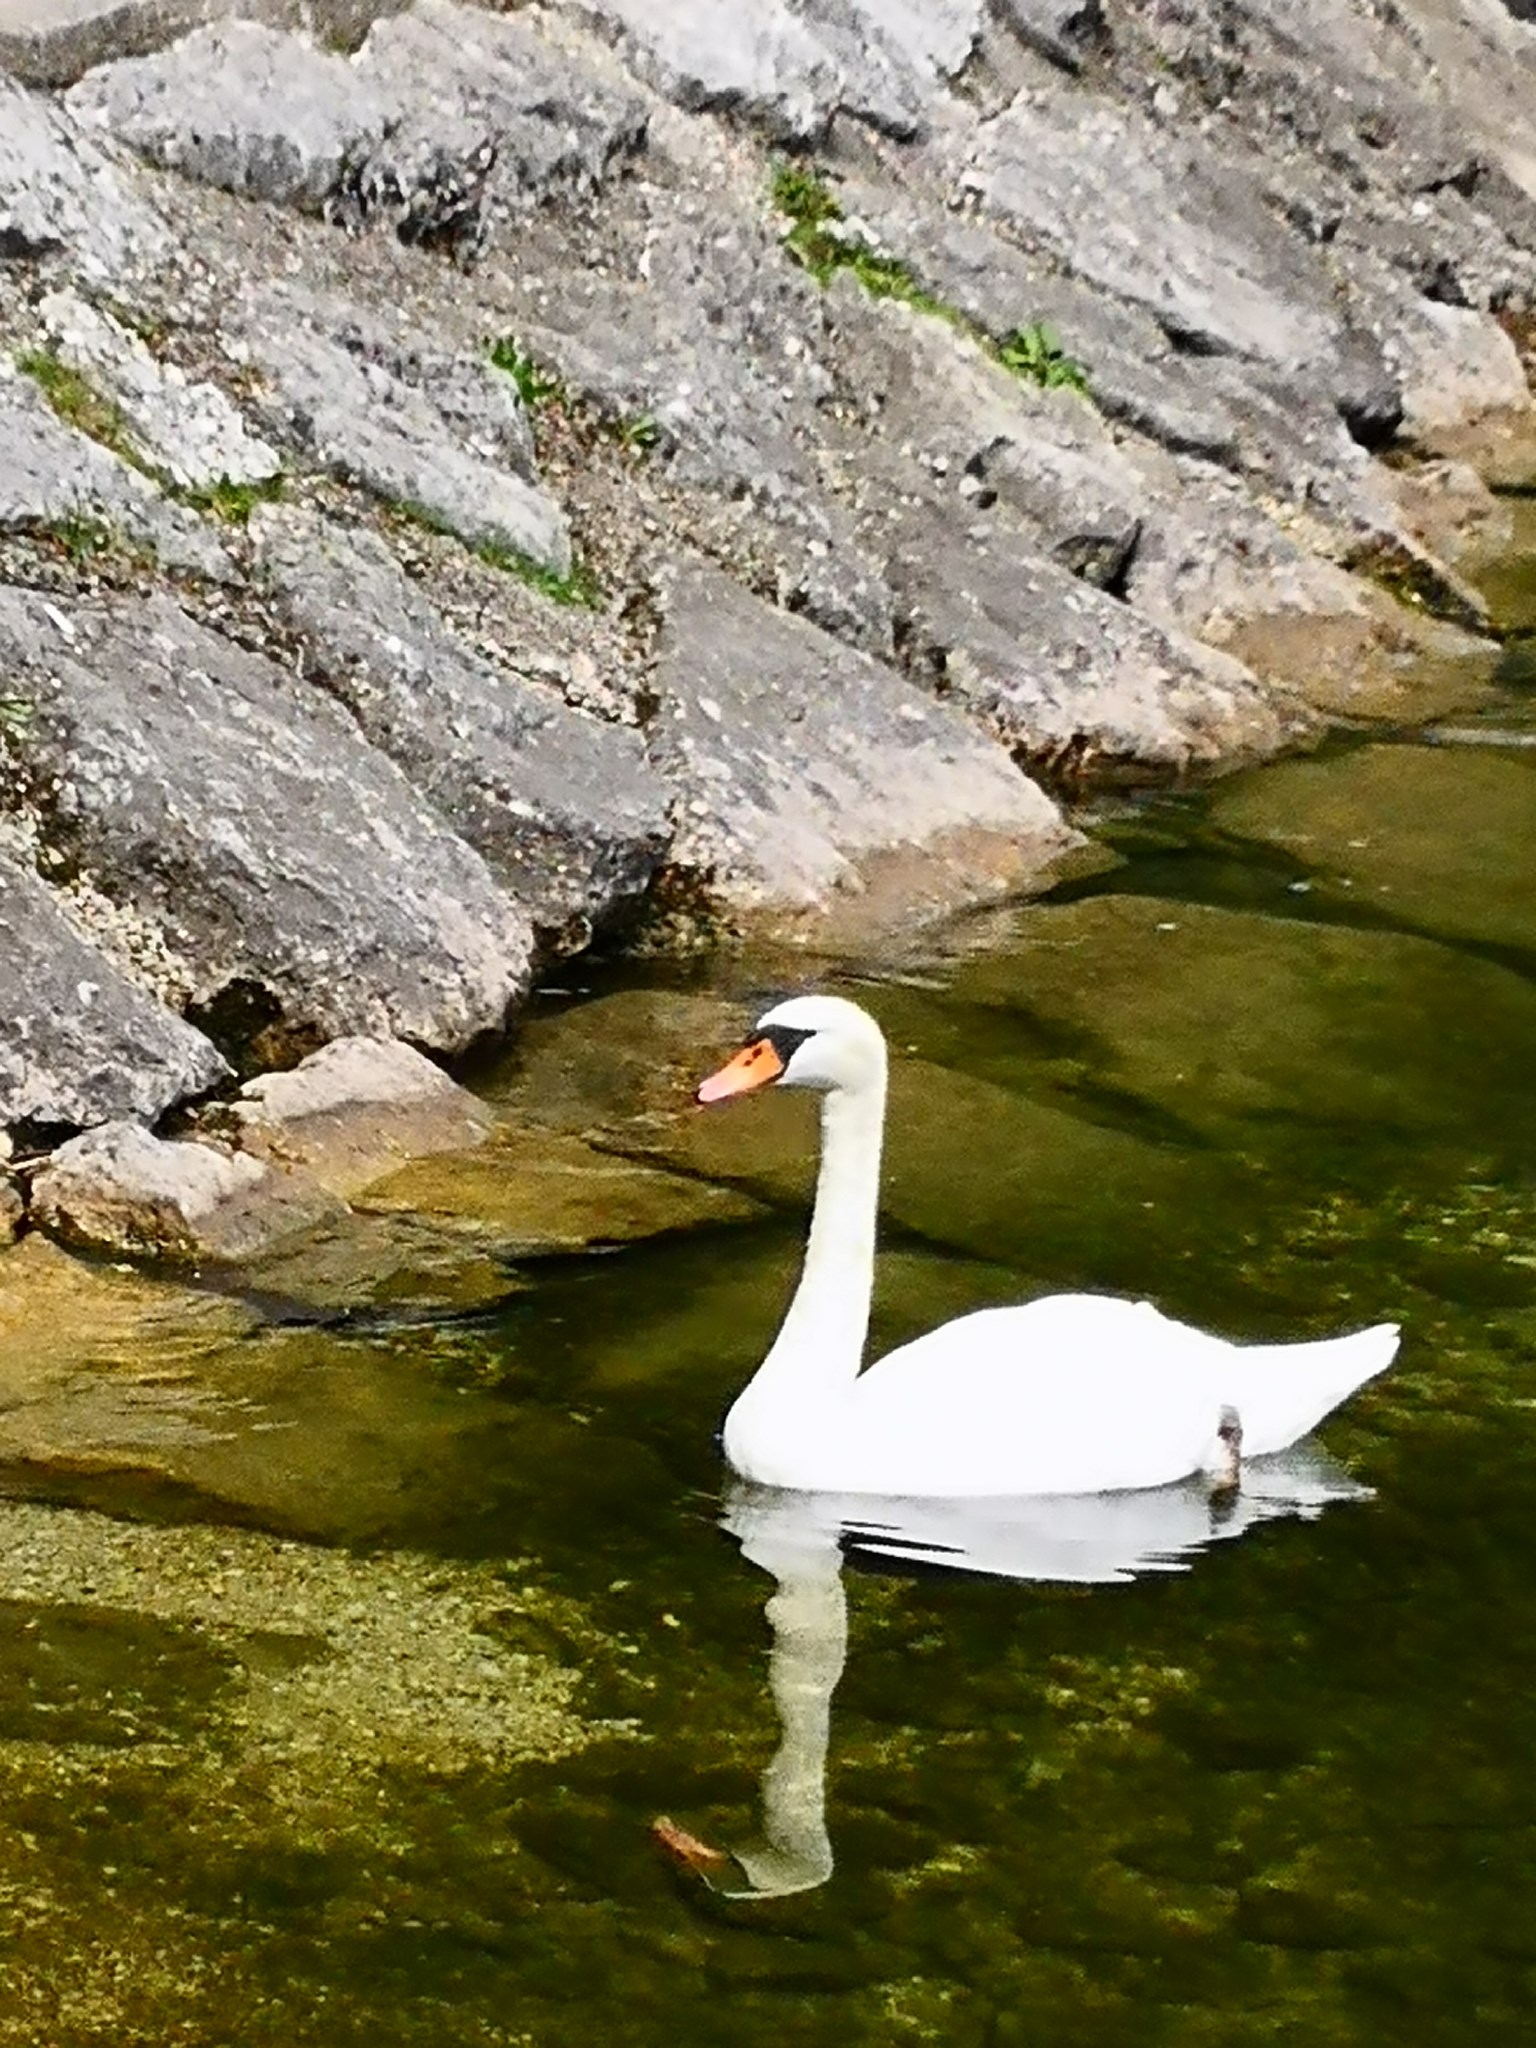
[821,1341]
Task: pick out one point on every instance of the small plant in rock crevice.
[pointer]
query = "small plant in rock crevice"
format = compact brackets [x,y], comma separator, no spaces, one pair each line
[230,501]
[79,535]
[638,434]
[823,243]
[1036,352]
[16,714]
[577,587]
[80,405]
[535,386]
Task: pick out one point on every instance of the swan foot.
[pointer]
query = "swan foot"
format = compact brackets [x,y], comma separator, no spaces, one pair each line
[687,1849]
[1227,1468]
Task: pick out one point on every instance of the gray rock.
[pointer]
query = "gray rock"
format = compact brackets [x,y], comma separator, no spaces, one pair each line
[246,818]
[705,338]
[458,75]
[358,1109]
[1066,677]
[1044,455]
[1083,495]
[766,64]
[118,1189]
[1062,30]
[51,42]
[78,1041]
[61,193]
[240,106]
[1158,222]
[810,775]
[1370,131]
[12,1210]
[188,430]
[55,481]
[446,111]
[423,431]
[789,69]
[1456,365]
[565,810]
[1135,373]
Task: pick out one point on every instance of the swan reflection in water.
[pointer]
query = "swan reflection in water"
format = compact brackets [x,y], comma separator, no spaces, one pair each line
[801,1539]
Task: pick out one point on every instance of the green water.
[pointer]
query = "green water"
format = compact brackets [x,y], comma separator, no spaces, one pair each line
[1275,1069]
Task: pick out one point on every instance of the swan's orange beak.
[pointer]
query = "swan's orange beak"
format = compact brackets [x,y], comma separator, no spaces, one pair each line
[753,1067]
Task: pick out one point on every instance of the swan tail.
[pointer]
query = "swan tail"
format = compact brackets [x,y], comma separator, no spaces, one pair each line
[1281,1391]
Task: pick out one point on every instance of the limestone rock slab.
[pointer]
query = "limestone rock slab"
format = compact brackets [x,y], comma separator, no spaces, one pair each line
[118,1188]
[61,192]
[454,76]
[240,106]
[1154,220]
[79,1042]
[439,435]
[248,820]
[188,430]
[53,479]
[357,1109]
[788,69]
[1063,673]
[567,811]
[807,771]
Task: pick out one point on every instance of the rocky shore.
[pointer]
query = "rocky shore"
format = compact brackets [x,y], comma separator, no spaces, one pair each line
[475,482]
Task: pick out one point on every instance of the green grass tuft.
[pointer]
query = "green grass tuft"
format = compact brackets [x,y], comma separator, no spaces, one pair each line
[79,404]
[639,434]
[16,714]
[820,241]
[233,503]
[577,587]
[77,534]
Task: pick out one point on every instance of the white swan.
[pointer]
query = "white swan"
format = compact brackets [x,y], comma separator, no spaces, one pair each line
[1076,1393]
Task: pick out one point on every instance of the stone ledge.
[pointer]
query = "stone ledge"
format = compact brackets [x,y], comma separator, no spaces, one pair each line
[51,43]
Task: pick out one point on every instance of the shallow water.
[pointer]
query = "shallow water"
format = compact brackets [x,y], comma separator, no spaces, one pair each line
[344,1673]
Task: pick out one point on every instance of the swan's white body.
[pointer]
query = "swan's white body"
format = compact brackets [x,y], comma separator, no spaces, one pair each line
[1076,1393]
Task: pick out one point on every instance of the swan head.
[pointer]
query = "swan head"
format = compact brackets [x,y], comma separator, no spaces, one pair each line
[820,1042]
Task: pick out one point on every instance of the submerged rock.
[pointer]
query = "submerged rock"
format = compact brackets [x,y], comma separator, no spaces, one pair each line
[970,1164]
[119,1189]
[1433,839]
[1253,1031]
[531,1191]
[352,1112]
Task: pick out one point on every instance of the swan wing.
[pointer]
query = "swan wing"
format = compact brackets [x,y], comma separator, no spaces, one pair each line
[1070,1394]
[1082,1394]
